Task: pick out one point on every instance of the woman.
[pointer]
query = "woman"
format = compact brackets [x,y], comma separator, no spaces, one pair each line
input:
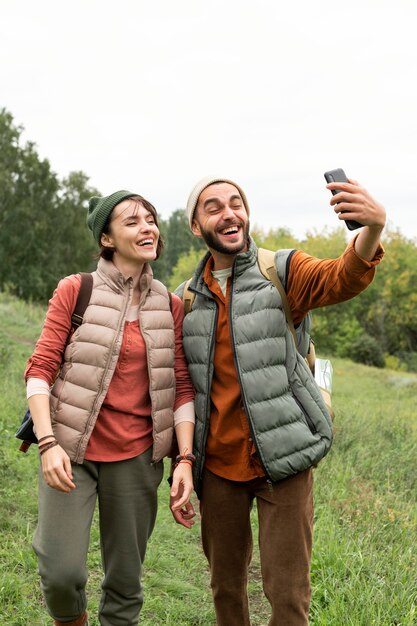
[106,421]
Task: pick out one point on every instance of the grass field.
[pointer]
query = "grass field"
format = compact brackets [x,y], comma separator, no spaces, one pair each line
[364,570]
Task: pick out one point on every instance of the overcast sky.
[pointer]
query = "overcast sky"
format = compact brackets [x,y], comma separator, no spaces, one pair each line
[152,96]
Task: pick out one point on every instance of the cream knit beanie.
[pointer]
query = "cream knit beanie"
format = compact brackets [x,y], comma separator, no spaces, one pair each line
[201,185]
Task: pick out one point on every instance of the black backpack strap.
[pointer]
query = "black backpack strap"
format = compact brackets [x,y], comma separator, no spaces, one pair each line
[81,304]
[83,299]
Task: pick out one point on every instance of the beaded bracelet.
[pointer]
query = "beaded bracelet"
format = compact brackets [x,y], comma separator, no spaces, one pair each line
[183,461]
[47,447]
[185,457]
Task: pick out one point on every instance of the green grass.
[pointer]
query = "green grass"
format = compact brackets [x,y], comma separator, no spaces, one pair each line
[364,559]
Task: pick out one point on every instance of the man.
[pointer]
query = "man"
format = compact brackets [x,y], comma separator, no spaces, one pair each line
[261,423]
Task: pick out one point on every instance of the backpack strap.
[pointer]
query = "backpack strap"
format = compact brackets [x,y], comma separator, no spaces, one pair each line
[266,262]
[81,304]
[188,297]
[83,299]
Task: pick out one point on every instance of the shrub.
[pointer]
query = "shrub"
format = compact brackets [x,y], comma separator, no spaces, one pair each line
[367,350]
[393,362]
[408,360]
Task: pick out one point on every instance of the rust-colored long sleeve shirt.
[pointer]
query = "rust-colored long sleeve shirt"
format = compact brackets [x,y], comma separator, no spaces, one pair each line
[312,283]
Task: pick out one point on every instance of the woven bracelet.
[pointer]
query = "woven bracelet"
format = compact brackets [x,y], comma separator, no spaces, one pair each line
[46,437]
[46,443]
[47,447]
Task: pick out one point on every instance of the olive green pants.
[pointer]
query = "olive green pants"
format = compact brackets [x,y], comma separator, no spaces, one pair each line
[127,498]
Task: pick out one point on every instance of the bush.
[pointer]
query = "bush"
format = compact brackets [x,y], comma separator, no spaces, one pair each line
[409,360]
[367,350]
[393,362]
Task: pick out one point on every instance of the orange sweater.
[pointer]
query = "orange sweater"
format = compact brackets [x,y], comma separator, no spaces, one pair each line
[312,283]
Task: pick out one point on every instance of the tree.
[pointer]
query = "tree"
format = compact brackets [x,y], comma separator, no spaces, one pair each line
[326,244]
[184,268]
[29,197]
[393,300]
[274,239]
[179,240]
[42,220]
[367,350]
[43,237]
[78,250]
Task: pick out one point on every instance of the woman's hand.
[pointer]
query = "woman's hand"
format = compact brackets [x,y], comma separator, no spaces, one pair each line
[181,489]
[56,468]
[56,464]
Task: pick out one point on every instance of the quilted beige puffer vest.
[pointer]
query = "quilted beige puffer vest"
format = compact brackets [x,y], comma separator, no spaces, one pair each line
[92,353]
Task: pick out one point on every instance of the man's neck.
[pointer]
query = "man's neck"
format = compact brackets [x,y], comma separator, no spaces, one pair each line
[222,261]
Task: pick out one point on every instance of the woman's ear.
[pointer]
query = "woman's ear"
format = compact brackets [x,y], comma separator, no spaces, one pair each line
[106,240]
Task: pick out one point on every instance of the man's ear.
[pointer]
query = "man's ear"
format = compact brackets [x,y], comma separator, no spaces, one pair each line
[195,228]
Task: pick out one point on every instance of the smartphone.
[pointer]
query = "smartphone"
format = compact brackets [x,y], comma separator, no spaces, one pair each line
[338,176]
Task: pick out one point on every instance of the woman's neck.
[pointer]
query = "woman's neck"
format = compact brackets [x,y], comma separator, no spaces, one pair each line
[129,270]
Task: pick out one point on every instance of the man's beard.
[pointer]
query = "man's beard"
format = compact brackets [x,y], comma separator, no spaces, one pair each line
[212,242]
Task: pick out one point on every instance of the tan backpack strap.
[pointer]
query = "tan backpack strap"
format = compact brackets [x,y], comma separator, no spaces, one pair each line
[266,262]
[188,297]
[311,356]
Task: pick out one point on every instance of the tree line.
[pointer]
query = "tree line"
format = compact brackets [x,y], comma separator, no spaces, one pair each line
[43,232]
[43,237]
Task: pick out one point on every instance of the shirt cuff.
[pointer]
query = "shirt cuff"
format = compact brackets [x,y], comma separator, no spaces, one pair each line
[377,258]
[185,413]
[37,386]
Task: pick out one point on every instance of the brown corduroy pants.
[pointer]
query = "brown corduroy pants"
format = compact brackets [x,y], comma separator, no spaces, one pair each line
[285,513]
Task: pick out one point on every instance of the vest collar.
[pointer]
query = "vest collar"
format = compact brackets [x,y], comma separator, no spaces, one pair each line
[244,260]
[115,279]
[241,264]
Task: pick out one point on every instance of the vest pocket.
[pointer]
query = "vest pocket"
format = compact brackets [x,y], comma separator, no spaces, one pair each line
[60,381]
[307,418]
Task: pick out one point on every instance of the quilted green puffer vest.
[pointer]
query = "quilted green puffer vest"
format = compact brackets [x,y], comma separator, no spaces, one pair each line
[289,421]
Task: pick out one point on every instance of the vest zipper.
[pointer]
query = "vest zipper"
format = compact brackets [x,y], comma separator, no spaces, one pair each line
[154,463]
[208,397]
[244,401]
[116,335]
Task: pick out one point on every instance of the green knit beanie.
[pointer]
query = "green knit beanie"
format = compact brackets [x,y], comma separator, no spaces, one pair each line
[99,210]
